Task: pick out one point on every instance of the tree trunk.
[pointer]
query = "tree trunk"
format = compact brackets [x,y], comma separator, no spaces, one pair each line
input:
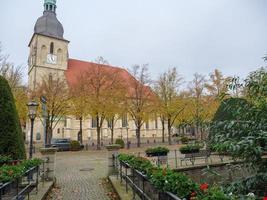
[138,133]
[163,131]
[112,131]
[98,130]
[112,135]
[49,135]
[80,134]
[169,131]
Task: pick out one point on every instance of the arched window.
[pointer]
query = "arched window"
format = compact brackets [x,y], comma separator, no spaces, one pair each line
[50,79]
[124,120]
[59,56]
[43,54]
[51,47]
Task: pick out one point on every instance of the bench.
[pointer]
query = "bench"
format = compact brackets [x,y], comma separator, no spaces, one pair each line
[202,154]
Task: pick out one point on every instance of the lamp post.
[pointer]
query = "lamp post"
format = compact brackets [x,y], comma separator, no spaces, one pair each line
[32,110]
[127,132]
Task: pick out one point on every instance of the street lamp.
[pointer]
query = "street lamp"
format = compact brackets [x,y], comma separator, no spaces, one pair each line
[127,129]
[32,110]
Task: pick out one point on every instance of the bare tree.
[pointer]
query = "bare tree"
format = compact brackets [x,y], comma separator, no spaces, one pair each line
[167,89]
[13,74]
[140,98]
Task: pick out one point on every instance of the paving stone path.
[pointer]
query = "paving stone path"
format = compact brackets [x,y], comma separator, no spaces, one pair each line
[79,176]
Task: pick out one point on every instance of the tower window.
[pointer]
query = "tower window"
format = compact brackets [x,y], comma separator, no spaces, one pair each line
[52,48]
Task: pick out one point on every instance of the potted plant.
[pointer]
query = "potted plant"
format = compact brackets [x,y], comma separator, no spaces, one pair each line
[157,151]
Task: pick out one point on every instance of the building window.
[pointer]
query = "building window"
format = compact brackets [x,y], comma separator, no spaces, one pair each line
[38,136]
[147,125]
[58,130]
[109,123]
[43,53]
[156,123]
[51,47]
[59,56]
[124,121]
[94,123]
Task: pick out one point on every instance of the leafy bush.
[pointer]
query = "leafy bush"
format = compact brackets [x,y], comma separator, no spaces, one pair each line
[174,182]
[184,140]
[189,149]
[9,173]
[11,142]
[5,159]
[228,107]
[157,151]
[75,145]
[120,142]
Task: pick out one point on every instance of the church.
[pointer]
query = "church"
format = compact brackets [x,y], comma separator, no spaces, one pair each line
[49,55]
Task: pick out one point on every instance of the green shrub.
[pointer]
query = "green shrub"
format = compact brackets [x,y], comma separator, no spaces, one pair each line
[228,109]
[11,141]
[157,151]
[9,173]
[5,159]
[120,142]
[184,140]
[189,149]
[75,145]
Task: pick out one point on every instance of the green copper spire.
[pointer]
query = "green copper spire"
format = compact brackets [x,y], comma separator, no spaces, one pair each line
[50,5]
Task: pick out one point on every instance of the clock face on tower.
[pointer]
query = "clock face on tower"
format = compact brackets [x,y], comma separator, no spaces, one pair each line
[51,59]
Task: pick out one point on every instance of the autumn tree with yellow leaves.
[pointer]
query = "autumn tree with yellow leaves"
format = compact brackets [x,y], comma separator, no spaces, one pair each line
[170,102]
[56,92]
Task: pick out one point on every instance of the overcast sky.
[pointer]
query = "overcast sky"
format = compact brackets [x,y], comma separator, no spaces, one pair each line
[192,35]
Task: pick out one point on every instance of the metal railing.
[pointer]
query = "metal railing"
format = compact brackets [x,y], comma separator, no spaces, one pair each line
[140,184]
[21,187]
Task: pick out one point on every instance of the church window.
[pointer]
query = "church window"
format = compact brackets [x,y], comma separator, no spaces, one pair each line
[50,78]
[147,125]
[156,123]
[94,123]
[52,48]
[124,121]
[59,56]
[109,123]
[43,54]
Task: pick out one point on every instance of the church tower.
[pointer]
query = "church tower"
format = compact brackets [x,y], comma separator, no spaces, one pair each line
[48,48]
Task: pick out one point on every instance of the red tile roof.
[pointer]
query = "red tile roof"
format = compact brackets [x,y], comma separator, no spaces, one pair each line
[77,67]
